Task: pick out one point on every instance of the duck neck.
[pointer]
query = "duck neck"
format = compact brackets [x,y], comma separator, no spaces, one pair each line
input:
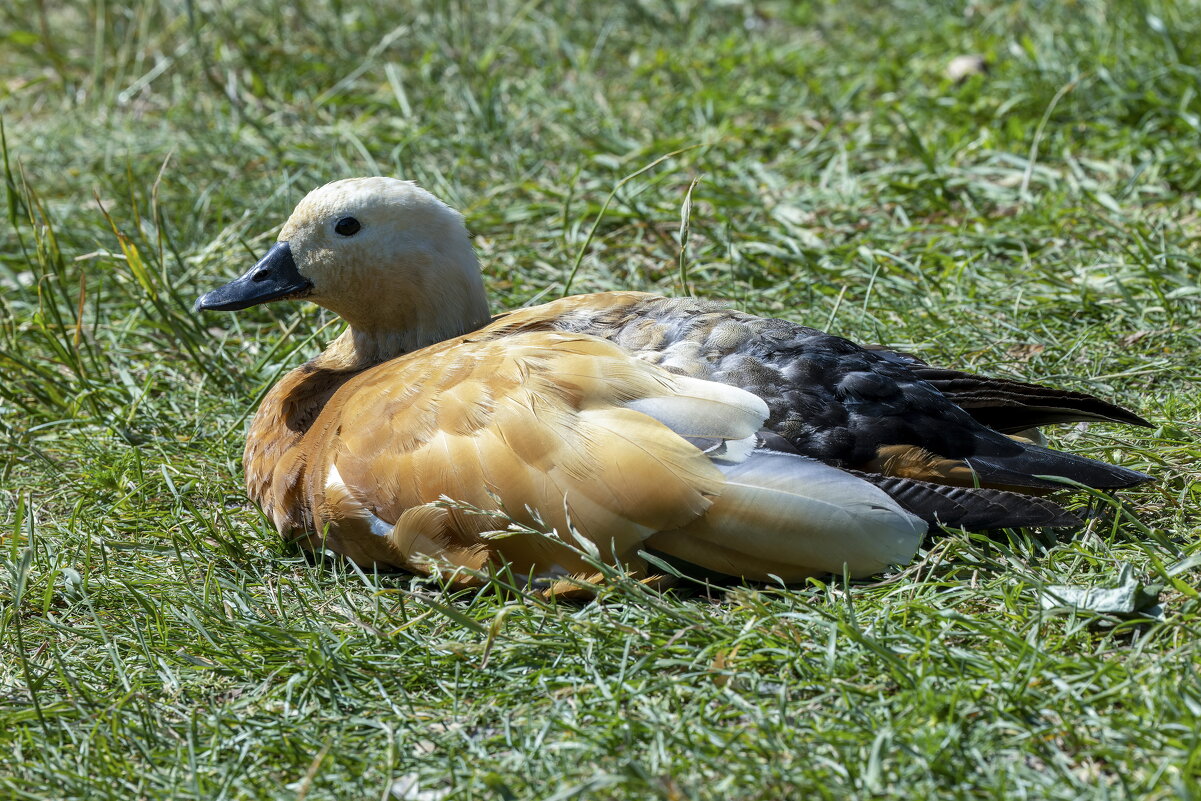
[360,347]
[440,296]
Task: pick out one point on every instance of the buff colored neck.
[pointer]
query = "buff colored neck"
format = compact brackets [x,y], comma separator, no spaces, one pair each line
[360,347]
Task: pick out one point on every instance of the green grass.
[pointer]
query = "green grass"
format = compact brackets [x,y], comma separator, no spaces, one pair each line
[1042,221]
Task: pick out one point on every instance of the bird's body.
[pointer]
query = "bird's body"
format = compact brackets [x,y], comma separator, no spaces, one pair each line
[750,446]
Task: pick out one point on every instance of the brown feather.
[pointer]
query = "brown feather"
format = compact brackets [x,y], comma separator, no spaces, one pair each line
[535,419]
[915,462]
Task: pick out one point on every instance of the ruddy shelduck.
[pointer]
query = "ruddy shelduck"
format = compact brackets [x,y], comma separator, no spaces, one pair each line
[432,436]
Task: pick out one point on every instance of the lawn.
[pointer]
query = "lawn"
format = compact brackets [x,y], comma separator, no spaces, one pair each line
[806,160]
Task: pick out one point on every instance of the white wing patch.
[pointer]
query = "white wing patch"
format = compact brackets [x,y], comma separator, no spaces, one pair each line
[334,480]
[720,419]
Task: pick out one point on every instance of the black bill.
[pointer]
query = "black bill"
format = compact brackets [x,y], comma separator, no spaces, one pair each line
[274,277]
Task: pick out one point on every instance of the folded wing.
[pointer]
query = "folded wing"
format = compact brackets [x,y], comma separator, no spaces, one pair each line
[566,432]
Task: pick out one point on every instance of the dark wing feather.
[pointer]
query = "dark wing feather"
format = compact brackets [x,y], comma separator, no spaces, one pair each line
[972,508]
[1021,467]
[1012,406]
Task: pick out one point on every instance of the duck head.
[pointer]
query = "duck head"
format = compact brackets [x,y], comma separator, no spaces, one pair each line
[386,256]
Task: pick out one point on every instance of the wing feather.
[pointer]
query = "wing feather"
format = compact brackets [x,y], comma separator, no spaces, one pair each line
[539,420]
[798,511]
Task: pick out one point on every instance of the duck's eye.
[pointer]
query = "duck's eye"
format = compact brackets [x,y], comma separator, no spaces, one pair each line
[347,226]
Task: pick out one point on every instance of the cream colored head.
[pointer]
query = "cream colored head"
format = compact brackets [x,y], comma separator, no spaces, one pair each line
[389,258]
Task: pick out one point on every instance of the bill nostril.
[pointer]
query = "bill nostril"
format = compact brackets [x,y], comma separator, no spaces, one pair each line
[260,276]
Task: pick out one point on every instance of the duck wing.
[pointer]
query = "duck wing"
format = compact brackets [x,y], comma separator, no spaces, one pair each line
[560,431]
[871,410]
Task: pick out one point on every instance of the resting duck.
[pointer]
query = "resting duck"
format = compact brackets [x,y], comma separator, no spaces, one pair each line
[751,447]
